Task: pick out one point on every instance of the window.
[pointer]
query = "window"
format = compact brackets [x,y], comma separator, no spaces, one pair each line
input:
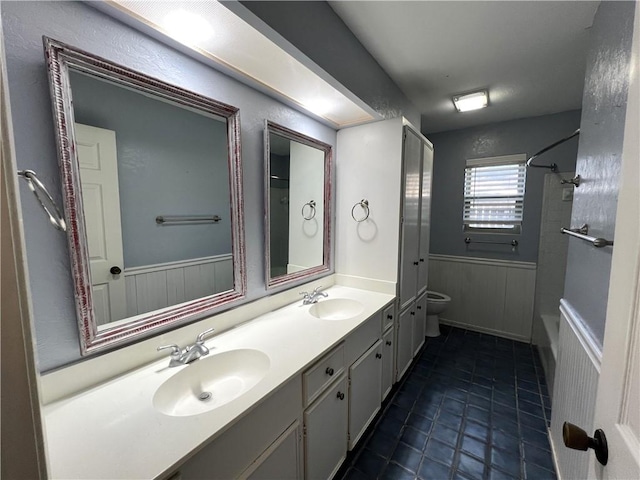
[494,193]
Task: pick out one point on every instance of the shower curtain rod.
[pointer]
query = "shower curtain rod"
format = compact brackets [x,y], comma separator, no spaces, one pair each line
[553,166]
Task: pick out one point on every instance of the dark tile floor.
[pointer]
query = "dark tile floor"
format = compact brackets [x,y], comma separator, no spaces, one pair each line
[473,406]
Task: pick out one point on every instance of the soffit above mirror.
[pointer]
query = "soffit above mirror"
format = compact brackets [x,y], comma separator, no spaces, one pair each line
[248,50]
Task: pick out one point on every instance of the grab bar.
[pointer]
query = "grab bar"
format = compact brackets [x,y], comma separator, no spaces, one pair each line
[553,166]
[582,232]
[513,243]
[182,219]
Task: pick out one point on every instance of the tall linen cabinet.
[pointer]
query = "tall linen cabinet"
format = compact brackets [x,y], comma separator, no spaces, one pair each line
[389,164]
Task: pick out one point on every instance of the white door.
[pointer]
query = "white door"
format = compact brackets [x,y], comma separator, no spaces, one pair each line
[425,216]
[365,391]
[419,324]
[618,400]
[281,460]
[410,233]
[98,161]
[325,432]
[404,346]
[387,362]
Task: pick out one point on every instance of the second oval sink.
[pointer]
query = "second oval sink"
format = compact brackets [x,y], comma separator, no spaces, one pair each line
[336,309]
[211,382]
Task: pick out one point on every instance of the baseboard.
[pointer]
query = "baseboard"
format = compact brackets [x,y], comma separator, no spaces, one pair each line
[553,455]
[475,328]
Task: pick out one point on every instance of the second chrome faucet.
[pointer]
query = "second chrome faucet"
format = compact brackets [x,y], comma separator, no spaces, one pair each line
[190,353]
[313,297]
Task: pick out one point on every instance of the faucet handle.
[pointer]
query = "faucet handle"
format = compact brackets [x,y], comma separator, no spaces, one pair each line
[304,294]
[175,349]
[200,337]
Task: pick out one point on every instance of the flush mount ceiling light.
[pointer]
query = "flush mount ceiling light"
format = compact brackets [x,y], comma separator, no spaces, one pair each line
[471,101]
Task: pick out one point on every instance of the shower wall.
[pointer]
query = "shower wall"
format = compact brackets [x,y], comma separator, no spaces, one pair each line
[557,201]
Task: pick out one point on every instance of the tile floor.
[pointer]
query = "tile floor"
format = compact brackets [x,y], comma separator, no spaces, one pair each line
[473,406]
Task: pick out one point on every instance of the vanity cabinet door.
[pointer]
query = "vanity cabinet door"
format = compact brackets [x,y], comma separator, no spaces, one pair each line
[404,352]
[365,391]
[387,362]
[419,323]
[325,432]
[281,460]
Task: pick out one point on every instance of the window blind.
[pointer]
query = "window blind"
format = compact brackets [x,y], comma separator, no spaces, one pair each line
[494,192]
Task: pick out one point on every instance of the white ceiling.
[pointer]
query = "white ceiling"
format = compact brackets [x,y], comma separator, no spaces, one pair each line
[529,54]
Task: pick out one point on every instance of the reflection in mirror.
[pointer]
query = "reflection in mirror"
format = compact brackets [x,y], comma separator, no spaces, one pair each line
[298,192]
[152,196]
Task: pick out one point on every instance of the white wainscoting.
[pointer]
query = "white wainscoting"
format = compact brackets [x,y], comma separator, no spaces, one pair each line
[157,286]
[574,391]
[491,296]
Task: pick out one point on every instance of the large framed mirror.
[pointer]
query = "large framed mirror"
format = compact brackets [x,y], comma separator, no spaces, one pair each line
[152,186]
[297,205]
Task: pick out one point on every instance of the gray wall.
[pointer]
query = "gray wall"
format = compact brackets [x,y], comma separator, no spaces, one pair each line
[599,161]
[453,148]
[171,161]
[80,25]
[318,32]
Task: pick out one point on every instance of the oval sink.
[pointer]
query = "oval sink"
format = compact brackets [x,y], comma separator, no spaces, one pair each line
[336,309]
[211,382]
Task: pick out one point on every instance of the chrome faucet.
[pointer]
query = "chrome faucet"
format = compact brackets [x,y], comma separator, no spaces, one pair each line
[309,298]
[190,353]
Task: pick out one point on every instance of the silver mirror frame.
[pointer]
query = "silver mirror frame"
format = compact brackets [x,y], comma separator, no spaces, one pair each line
[273,282]
[60,57]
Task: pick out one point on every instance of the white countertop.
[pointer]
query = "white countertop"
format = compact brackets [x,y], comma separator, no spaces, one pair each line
[113,430]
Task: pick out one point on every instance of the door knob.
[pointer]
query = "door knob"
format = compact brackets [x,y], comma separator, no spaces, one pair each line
[576,438]
[115,270]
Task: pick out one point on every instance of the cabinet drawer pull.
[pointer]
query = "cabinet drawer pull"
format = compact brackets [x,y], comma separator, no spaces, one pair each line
[415,263]
[389,317]
[412,313]
[388,342]
[329,371]
[340,395]
[422,259]
[419,307]
[378,355]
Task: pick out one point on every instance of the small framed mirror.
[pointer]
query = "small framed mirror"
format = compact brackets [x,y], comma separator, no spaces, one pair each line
[152,188]
[297,205]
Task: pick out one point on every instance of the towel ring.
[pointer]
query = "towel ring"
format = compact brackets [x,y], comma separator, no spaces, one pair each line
[312,212]
[364,203]
[39,190]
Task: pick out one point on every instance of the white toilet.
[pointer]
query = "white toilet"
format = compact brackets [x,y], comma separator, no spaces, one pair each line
[436,304]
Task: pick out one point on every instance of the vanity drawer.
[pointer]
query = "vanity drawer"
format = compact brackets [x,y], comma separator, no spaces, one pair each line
[363,337]
[387,317]
[325,371]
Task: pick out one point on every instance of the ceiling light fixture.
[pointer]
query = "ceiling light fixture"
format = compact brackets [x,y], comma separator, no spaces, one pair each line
[471,101]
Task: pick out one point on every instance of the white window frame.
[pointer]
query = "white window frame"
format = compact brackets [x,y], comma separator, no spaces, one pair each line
[511,224]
